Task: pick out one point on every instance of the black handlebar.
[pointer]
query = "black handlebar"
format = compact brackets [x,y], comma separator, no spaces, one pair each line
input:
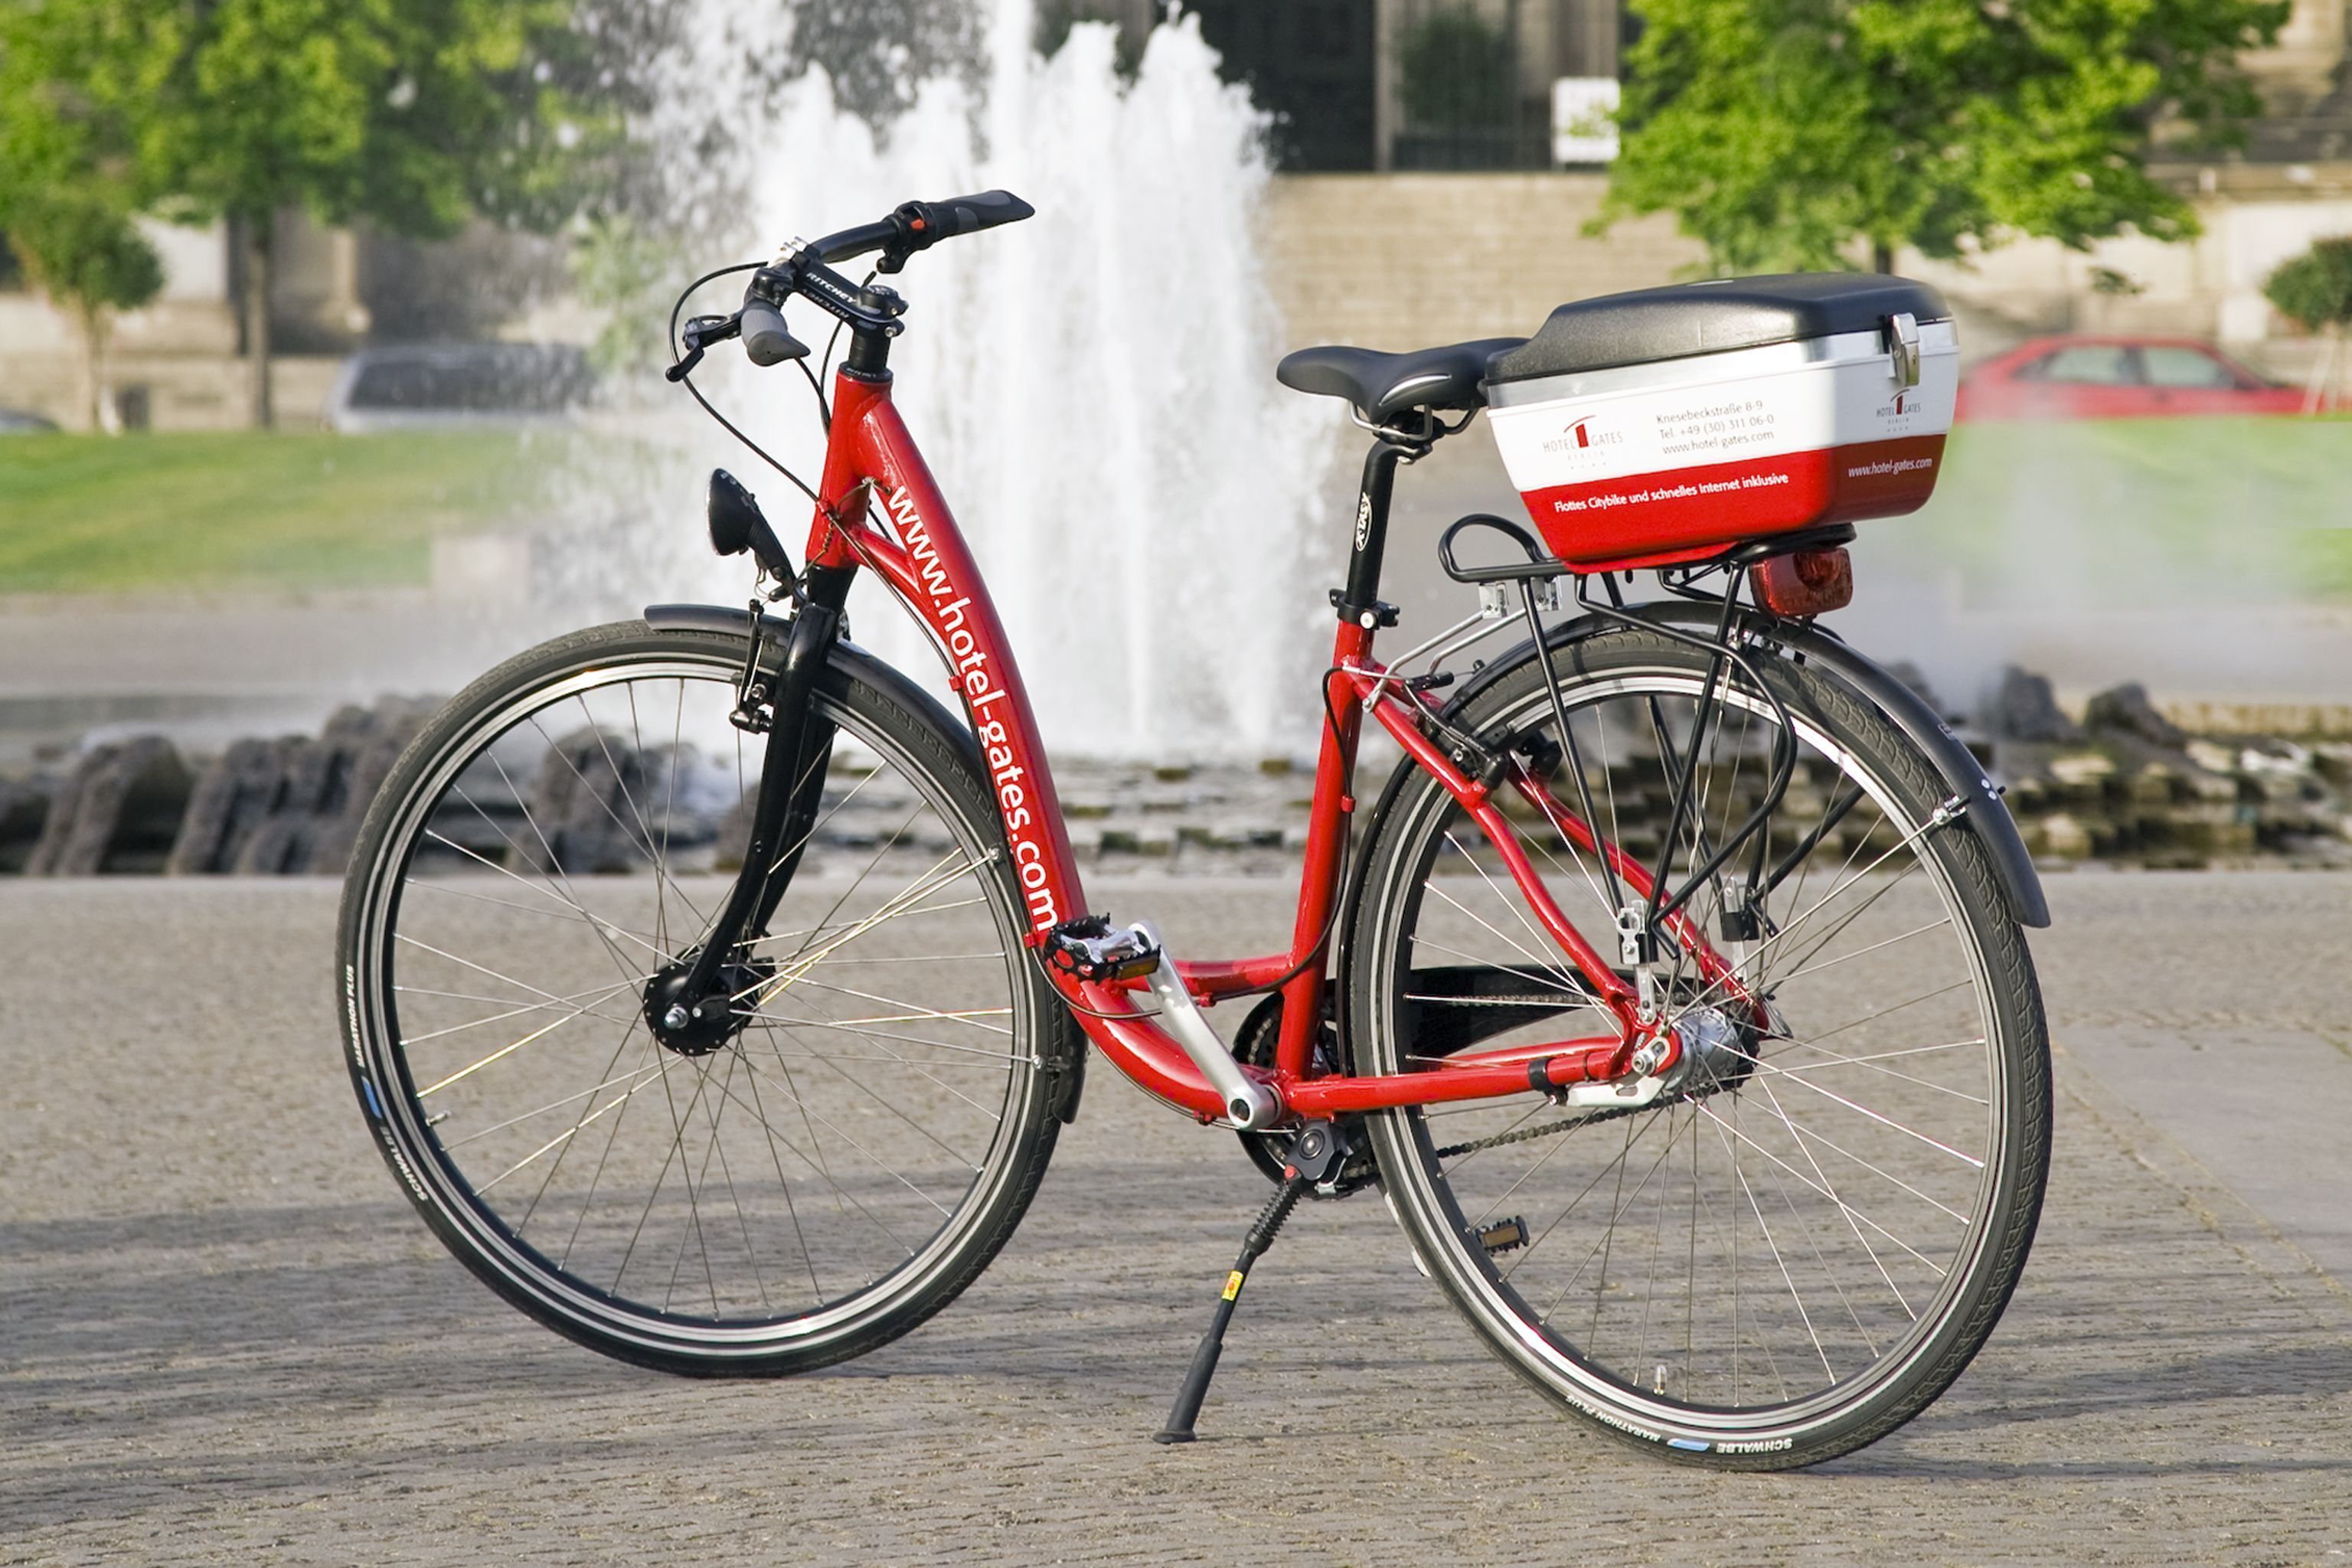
[851,243]
[916,226]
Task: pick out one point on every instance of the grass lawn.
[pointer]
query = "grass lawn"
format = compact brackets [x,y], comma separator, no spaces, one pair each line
[2225,501]
[245,509]
[2261,502]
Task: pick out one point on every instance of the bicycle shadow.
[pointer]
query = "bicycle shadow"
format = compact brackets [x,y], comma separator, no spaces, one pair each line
[2288,1377]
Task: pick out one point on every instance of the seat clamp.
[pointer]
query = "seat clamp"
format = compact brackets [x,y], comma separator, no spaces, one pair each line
[1379,613]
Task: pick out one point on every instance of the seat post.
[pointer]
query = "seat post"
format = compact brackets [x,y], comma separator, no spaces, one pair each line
[1362,593]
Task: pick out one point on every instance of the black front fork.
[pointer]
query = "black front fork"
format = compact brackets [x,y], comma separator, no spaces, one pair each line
[791,786]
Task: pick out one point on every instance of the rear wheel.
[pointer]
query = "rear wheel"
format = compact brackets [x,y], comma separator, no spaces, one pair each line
[792,1193]
[1802,1243]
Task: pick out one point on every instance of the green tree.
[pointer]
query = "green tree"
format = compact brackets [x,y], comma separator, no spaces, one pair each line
[2314,292]
[413,114]
[1454,72]
[66,203]
[84,252]
[1785,132]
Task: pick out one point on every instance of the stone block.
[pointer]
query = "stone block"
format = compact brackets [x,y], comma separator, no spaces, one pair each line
[2060,835]
[119,810]
[233,795]
[2023,707]
[583,803]
[24,808]
[2083,775]
[2126,710]
[365,743]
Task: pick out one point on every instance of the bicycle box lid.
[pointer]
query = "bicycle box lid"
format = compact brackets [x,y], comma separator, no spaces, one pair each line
[1667,424]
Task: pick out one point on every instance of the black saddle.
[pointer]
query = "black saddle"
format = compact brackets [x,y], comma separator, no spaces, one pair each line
[1382,386]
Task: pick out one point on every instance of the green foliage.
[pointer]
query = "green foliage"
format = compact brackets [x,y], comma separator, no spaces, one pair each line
[83,249]
[413,113]
[2314,290]
[1453,70]
[630,272]
[1784,132]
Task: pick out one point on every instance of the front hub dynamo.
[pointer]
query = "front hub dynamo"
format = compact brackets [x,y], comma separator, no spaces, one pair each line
[698,1026]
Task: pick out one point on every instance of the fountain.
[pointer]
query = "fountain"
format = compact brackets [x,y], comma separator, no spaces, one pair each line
[1092,387]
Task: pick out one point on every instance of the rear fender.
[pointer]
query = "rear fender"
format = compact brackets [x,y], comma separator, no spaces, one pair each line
[1960,771]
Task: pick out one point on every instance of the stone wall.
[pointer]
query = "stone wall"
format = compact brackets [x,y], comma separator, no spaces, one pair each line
[1404,261]
[1398,262]
[185,391]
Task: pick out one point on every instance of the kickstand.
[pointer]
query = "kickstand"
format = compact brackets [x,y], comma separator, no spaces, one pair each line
[1313,1154]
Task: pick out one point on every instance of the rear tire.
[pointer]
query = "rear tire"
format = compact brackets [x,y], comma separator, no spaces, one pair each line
[799,1194]
[1792,1259]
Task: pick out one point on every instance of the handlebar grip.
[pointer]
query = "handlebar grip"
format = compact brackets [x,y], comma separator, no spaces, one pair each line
[970,215]
[765,339]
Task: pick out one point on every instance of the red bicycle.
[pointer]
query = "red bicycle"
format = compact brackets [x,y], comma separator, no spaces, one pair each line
[716,995]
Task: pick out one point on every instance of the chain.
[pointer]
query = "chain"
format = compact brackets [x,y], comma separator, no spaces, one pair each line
[1527,1134]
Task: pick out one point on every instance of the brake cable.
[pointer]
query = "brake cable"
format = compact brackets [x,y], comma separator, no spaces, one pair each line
[681,372]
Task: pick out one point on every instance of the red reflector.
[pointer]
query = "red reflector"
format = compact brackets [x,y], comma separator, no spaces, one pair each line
[1810,582]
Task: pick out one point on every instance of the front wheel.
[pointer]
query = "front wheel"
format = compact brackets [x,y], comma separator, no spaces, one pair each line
[807,1187]
[1804,1241]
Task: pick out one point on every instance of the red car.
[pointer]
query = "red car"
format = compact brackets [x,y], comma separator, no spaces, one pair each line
[2081,377]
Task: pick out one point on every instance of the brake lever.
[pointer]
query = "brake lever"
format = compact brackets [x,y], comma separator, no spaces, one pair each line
[700,332]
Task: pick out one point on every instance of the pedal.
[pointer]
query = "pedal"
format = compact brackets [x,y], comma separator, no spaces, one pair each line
[1504,1236]
[1092,949]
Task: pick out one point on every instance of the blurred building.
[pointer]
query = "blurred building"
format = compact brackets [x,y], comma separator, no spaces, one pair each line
[178,363]
[1439,160]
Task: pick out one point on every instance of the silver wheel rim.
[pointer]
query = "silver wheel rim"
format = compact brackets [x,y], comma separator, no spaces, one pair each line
[1607,1387]
[905,1038]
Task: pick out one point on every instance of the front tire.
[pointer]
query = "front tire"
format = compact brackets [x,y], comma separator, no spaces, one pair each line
[808,1189]
[1794,1255]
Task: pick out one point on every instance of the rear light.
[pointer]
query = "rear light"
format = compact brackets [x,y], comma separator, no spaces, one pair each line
[1809,583]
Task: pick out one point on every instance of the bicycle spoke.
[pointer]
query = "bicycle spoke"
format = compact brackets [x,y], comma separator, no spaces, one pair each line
[797,1165]
[1732,1254]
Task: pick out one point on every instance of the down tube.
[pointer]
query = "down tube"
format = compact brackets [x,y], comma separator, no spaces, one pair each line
[937,576]
[932,570]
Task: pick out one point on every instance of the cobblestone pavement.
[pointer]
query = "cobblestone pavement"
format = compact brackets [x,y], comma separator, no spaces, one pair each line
[223,1336]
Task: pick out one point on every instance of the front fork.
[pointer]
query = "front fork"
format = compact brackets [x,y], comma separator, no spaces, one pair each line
[791,786]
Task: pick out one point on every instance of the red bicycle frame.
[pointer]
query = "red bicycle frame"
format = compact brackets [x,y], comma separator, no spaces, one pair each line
[917,548]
